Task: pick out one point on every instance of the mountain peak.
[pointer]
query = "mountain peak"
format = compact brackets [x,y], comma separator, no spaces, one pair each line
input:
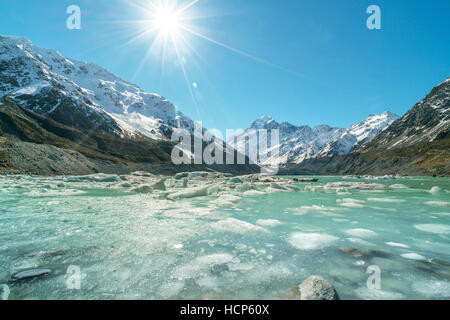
[264,122]
[50,84]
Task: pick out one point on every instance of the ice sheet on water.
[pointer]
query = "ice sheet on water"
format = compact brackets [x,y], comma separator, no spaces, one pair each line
[268,222]
[396,244]
[362,233]
[433,289]
[388,200]
[374,294]
[351,203]
[54,192]
[355,186]
[398,186]
[311,241]
[201,265]
[227,200]
[99,177]
[438,203]
[435,189]
[251,193]
[236,226]
[434,228]
[413,256]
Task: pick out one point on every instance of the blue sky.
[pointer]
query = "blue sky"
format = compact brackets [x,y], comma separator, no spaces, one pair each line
[317,62]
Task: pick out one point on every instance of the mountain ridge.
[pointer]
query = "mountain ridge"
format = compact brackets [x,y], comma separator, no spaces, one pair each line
[298,143]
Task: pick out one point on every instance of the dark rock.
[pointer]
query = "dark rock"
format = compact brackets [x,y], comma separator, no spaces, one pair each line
[317,288]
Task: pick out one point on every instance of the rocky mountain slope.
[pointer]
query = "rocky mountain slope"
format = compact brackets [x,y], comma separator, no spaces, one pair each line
[416,144]
[358,134]
[32,143]
[50,100]
[82,95]
[299,143]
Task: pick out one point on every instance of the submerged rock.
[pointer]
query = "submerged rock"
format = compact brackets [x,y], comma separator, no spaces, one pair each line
[28,274]
[182,175]
[367,254]
[317,288]
[236,180]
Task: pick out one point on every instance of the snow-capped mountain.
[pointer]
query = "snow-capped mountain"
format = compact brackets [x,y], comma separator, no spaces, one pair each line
[427,121]
[358,134]
[298,143]
[82,95]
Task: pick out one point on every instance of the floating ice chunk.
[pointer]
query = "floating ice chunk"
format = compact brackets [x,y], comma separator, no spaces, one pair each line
[202,265]
[339,220]
[363,233]
[350,200]
[227,200]
[438,203]
[178,246]
[413,256]
[350,203]
[171,289]
[311,241]
[268,222]
[33,273]
[398,186]
[435,189]
[236,226]
[388,200]
[99,177]
[396,244]
[373,294]
[190,193]
[218,258]
[251,193]
[54,193]
[434,228]
[433,288]
[355,185]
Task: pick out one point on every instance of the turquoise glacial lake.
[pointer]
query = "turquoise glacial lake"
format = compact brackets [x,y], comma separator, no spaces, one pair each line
[127,244]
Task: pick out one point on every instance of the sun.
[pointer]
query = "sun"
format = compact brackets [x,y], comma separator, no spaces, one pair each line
[166,20]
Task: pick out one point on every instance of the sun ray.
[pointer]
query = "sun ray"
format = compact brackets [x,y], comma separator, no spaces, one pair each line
[243,53]
[186,77]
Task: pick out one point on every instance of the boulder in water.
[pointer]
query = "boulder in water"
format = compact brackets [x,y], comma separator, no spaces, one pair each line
[317,288]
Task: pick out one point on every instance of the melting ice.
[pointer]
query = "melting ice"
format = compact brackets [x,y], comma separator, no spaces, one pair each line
[208,236]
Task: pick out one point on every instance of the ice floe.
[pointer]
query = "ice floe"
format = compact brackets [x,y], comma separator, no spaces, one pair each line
[434,228]
[311,241]
[236,226]
[438,203]
[363,233]
[396,244]
[268,222]
[433,288]
[413,256]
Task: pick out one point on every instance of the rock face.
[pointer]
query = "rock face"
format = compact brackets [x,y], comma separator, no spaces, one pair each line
[82,95]
[317,288]
[416,144]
